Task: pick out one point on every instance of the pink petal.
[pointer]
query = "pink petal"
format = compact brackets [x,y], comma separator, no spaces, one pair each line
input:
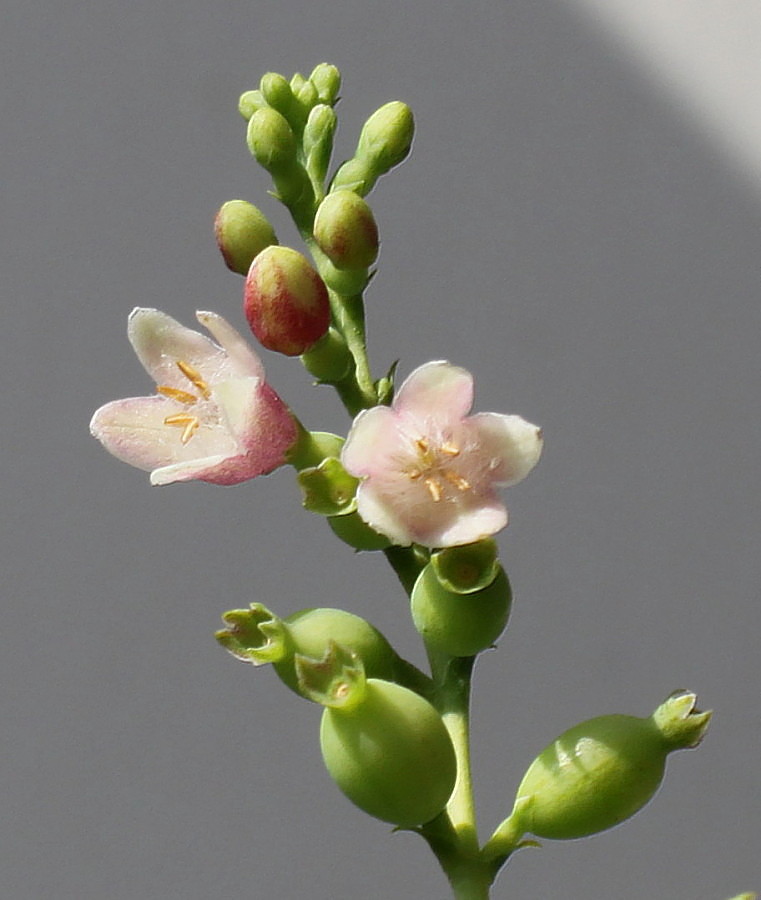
[511,445]
[436,390]
[372,442]
[260,421]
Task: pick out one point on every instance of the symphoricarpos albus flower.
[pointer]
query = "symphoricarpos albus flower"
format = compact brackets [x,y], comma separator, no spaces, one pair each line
[430,471]
[214,418]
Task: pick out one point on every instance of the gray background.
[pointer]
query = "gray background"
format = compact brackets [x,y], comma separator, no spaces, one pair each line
[564,230]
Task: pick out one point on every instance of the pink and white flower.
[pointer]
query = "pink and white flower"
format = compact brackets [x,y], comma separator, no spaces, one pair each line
[430,471]
[214,417]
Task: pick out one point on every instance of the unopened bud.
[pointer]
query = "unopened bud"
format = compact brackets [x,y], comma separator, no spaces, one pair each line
[327,79]
[285,301]
[386,137]
[271,140]
[242,231]
[356,175]
[345,230]
[318,141]
[249,103]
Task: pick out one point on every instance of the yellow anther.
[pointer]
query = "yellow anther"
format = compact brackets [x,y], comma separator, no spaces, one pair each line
[462,484]
[177,394]
[422,445]
[189,424]
[450,449]
[194,377]
[434,489]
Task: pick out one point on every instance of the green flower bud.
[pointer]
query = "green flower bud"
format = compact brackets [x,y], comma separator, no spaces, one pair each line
[386,137]
[318,141]
[601,772]
[297,82]
[249,103]
[242,232]
[258,636]
[285,301]
[385,746]
[467,568]
[278,94]
[355,532]
[328,489]
[271,141]
[307,96]
[460,624]
[330,359]
[327,79]
[356,175]
[345,230]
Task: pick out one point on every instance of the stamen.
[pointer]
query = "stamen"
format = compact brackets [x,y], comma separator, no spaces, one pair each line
[434,489]
[194,377]
[450,449]
[176,394]
[422,445]
[188,423]
[462,484]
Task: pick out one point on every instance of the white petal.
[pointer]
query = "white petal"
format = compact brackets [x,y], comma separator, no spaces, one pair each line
[509,444]
[436,391]
[161,341]
[372,441]
[237,348]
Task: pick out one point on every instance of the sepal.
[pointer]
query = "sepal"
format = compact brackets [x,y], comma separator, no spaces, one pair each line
[681,725]
[336,680]
[254,635]
[355,532]
[328,489]
[468,567]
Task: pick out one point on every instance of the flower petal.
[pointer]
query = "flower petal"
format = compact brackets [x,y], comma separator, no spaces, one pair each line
[133,430]
[436,390]
[160,341]
[261,422]
[372,442]
[511,444]
[239,350]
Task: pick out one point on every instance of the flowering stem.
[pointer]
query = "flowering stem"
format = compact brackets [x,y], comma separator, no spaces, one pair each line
[455,841]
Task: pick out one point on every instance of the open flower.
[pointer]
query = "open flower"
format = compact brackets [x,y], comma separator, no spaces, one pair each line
[213,418]
[430,470]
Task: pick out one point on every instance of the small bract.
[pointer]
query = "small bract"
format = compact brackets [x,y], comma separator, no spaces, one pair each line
[214,417]
[430,470]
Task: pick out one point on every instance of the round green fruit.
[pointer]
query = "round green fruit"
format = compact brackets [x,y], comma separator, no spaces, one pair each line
[391,754]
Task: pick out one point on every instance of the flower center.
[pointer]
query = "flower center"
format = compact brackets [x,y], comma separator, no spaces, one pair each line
[433,466]
[185,420]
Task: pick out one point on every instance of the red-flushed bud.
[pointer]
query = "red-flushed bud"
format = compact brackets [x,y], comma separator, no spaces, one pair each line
[285,301]
[345,230]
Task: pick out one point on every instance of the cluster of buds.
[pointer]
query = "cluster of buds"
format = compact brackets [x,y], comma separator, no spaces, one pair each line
[418,476]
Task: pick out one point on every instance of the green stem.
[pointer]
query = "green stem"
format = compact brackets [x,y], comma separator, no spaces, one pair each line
[469,874]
